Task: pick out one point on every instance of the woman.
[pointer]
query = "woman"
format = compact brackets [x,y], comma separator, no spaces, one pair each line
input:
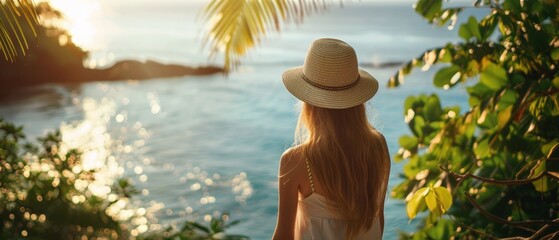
[332,183]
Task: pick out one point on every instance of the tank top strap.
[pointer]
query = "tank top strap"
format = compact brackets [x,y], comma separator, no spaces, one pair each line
[310,174]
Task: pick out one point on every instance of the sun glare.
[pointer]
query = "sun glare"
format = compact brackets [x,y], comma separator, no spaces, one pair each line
[80,17]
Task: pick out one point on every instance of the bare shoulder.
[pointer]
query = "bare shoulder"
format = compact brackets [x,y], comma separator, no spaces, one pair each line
[290,159]
[378,135]
[382,140]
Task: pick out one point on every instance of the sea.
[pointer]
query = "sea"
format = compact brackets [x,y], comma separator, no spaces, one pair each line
[202,147]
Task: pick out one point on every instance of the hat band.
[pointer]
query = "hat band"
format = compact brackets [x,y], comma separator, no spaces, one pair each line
[330,88]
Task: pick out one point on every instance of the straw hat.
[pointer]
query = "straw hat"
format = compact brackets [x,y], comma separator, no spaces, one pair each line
[330,77]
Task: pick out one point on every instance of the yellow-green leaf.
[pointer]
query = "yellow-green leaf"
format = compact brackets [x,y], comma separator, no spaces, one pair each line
[481,148]
[555,54]
[17,19]
[540,184]
[415,202]
[555,82]
[431,200]
[504,116]
[238,25]
[444,198]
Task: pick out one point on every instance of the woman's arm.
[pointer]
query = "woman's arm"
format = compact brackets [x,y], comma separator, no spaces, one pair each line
[288,189]
[385,180]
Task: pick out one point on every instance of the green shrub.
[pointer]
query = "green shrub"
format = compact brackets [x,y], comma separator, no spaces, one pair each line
[38,194]
[499,157]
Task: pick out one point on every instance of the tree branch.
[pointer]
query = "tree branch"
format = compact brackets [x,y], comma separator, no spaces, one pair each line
[498,181]
[542,230]
[551,236]
[495,218]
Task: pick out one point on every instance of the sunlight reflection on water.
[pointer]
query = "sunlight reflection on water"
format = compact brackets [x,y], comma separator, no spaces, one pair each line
[90,135]
[111,147]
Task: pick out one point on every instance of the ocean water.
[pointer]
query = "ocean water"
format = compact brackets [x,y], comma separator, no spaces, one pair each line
[197,147]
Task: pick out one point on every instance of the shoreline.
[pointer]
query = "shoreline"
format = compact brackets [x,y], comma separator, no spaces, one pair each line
[121,70]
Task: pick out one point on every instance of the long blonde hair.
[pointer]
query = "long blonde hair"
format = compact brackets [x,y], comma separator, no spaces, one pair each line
[350,160]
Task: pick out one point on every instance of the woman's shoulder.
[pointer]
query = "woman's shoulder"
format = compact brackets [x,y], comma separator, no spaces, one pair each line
[292,155]
[378,135]
[291,158]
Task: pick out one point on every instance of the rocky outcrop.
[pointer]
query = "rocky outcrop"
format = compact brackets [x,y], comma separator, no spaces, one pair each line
[132,69]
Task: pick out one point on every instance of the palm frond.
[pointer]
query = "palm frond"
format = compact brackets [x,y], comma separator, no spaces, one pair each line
[235,26]
[18,22]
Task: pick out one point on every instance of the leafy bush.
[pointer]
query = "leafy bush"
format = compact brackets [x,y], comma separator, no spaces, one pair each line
[44,194]
[498,158]
[195,231]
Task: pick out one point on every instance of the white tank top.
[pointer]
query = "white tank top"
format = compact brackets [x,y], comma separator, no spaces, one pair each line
[317,221]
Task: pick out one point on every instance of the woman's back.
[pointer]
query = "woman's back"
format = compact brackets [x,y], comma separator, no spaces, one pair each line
[349,162]
[318,218]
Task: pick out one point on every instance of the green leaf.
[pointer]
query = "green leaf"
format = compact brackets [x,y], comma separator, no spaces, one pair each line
[508,98]
[443,229]
[215,226]
[414,204]
[432,109]
[464,33]
[470,29]
[534,7]
[446,76]
[409,103]
[488,119]
[482,149]
[408,142]
[546,148]
[445,55]
[417,125]
[199,226]
[410,170]
[512,5]
[407,68]
[487,26]
[494,76]
[233,223]
[428,8]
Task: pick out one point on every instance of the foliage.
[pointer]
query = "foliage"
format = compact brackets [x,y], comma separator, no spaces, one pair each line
[437,199]
[500,157]
[39,197]
[195,231]
[44,194]
[16,16]
[236,26]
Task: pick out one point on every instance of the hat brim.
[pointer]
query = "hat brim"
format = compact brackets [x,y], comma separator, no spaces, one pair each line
[365,89]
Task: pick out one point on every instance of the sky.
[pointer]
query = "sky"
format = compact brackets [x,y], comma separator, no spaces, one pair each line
[84,15]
